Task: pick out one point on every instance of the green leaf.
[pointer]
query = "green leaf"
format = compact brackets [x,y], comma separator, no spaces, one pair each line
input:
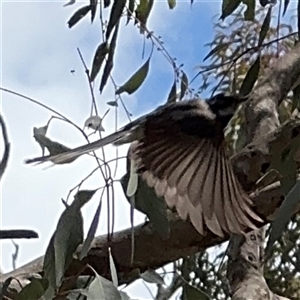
[100,54]
[250,78]
[152,276]
[250,11]
[183,85]
[34,290]
[115,16]
[78,15]
[172,3]
[91,233]
[106,3]
[265,26]
[93,4]
[147,202]
[110,59]
[65,240]
[283,216]
[136,80]
[113,270]
[101,288]
[285,6]
[228,7]
[215,50]
[173,94]
[112,103]
[192,293]
[130,10]
[142,12]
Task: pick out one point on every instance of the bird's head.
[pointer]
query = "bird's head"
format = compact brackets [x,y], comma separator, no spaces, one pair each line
[224,106]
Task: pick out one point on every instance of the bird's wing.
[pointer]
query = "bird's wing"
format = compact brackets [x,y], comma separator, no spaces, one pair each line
[127,134]
[180,156]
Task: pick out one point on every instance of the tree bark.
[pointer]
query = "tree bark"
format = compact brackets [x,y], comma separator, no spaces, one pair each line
[246,254]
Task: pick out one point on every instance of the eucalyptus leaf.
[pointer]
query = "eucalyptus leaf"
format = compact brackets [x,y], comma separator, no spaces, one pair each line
[91,233]
[172,94]
[152,276]
[93,4]
[101,288]
[283,216]
[250,78]
[265,27]
[78,15]
[130,10]
[147,202]
[99,57]
[192,293]
[250,11]
[136,80]
[142,12]
[115,16]
[34,290]
[183,85]
[216,50]
[228,7]
[110,59]
[171,3]
[285,6]
[113,270]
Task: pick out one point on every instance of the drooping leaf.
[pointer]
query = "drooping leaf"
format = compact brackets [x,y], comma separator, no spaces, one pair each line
[215,50]
[113,270]
[183,85]
[172,3]
[191,293]
[250,11]
[106,3]
[34,290]
[250,78]
[65,240]
[78,15]
[147,202]
[112,103]
[283,216]
[115,16]
[136,80]
[228,7]
[130,10]
[110,59]
[265,26]
[101,288]
[152,276]
[142,12]
[285,6]
[93,4]
[172,94]
[91,233]
[100,54]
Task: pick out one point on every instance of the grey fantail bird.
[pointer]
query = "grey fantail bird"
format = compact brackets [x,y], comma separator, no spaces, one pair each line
[180,151]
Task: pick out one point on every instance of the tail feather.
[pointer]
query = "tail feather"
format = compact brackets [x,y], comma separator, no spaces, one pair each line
[69,156]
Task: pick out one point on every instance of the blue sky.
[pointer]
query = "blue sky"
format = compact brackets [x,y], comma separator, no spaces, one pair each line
[38,51]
